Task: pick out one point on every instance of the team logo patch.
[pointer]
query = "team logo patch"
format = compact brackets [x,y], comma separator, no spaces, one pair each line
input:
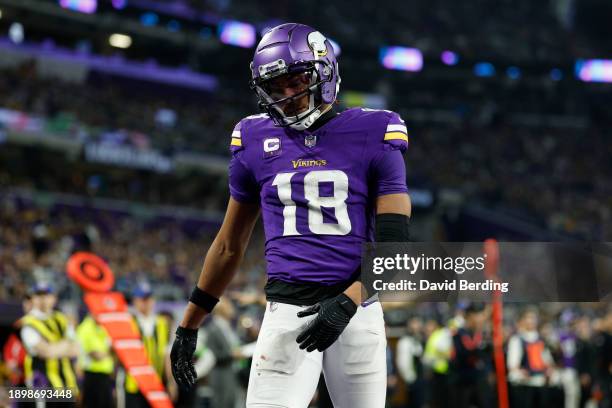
[272,146]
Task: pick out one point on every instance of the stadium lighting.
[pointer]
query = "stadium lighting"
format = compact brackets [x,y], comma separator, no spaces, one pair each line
[401,58]
[16,33]
[120,40]
[149,19]
[82,6]
[597,70]
[237,33]
[119,4]
[0,13]
[205,32]
[449,57]
[513,72]
[556,74]
[173,26]
[484,69]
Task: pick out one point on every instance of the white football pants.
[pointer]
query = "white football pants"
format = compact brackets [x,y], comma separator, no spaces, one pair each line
[355,366]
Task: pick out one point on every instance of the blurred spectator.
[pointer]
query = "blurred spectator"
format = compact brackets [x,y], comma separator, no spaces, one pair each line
[224,343]
[49,340]
[529,363]
[14,353]
[437,356]
[586,359]
[471,361]
[97,364]
[409,363]
[568,344]
[154,332]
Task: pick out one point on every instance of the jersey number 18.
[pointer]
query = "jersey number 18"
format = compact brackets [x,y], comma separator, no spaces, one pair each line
[315,202]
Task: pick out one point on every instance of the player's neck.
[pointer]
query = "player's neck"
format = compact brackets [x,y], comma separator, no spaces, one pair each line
[323,119]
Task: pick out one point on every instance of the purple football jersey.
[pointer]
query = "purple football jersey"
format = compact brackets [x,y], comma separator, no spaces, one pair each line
[567,341]
[318,189]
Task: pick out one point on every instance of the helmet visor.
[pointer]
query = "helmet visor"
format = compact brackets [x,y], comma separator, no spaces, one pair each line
[289,92]
[292,95]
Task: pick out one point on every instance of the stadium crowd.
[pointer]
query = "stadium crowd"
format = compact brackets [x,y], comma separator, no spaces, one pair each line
[35,242]
[122,112]
[472,28]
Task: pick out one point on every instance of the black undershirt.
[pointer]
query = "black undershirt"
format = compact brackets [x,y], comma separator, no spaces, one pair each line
[302,293]
[306,293]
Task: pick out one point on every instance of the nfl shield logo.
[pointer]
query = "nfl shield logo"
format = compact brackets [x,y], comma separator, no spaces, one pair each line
[310,140]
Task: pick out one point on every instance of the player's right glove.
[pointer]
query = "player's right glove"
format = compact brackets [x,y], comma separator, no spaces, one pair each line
[333,315]
[181,357]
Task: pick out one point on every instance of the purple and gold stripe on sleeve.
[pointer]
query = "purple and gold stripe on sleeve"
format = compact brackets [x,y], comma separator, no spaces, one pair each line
[236,142]
[236,138]
[396,132]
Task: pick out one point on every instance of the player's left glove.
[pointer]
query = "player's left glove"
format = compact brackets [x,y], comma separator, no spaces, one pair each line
[333,315]
[181,357]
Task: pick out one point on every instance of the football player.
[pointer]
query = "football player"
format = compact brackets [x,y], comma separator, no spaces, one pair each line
[325,182]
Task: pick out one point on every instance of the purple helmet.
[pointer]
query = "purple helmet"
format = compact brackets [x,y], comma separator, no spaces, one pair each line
[295,48]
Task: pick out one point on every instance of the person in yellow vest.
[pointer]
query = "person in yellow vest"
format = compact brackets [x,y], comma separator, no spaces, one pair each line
[154,332]
[436,358]
[49,340]
[97,363]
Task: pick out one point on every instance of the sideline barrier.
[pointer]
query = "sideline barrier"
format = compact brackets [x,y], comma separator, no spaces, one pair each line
[110,310]
[491,249]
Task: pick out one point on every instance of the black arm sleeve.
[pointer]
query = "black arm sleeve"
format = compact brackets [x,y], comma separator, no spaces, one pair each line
[392,228]
[389,228]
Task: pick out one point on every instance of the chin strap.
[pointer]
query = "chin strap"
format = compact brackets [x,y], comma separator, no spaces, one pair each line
[307,121]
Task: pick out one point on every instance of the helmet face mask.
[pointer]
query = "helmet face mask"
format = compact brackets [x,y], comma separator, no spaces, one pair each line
[290,97]
[294,75]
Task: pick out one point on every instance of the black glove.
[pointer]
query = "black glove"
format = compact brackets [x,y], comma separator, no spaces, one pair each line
[181,357]
[333,315]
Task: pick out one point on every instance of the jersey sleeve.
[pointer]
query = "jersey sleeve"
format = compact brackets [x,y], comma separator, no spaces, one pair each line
[396,134]
[242,184]
[387,165]
[236,141]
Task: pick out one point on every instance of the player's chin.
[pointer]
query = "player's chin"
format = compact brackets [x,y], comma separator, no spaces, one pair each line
[294,109]
[294,112]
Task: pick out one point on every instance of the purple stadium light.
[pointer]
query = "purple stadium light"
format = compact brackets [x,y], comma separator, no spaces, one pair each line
[119,4]
[594,70]
[116,65]
[401,58]
[237,33]
[556,74]
[83,6]
[449,57]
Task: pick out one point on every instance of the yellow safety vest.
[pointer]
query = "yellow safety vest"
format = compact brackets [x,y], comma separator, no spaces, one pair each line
[93,337]
[439,359]
[155,347]
[58,371]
